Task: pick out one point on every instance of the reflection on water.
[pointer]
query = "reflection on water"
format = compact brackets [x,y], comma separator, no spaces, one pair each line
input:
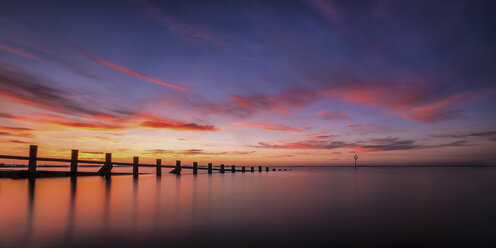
[305,207]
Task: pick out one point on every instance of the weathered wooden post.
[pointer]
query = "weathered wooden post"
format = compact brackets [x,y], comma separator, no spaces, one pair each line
[259,168]
[233,168]
[33,152]
[252,169]
[106,169]
[177,170]
[135,166]
[159,167]
[243,169]
[222,168]
[74,162]
[195,167]
[267,169]
[209,168]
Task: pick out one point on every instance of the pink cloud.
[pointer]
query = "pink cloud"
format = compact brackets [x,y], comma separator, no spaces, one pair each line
[267,126]
[360,126]
[439,110]
[127,71]
[332,115]
[18,52]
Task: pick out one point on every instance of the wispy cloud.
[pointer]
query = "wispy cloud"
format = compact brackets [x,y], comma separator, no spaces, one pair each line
[360,126]
[486,134]
[369,145]
[127,71]
[193,152]
[18,52]
[189,32]
[439,110]
[265,125]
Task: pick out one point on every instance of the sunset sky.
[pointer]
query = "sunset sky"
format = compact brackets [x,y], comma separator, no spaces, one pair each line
[251,82]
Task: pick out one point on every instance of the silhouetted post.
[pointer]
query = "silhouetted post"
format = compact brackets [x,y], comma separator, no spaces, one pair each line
[267,169]
[273,169]
[222,168]
[243,169]
[356,157]
[159,167]
[178,167]
[195,168]
[259,168]
[106,169]
[209,168]
[233,168]
[74,162]
[135,166]
[33,151]
[252,169]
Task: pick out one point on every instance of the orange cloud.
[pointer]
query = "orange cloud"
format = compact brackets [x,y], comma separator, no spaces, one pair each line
[160,123]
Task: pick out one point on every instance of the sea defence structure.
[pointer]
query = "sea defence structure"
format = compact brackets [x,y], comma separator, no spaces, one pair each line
[106,168]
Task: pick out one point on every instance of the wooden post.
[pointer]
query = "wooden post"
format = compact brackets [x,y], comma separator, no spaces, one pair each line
[178,167]
[33,151]
[177,170]
[135,166]
[273,169]
[159,167]
[195,167]
[233,168]
[106,169]
[74,162]
[209,168]
[252,169]
[266,168]
[243,168]
[259,168]
[222,168]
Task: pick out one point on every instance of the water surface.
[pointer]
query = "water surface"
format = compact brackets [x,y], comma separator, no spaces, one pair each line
[300,208]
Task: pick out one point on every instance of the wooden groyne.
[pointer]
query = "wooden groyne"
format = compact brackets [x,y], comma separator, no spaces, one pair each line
[106,168]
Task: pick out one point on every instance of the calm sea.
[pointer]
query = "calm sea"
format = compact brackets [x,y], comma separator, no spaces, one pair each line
[319,207]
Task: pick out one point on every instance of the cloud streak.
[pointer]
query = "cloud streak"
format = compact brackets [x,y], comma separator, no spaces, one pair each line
[18,52]
[127,71]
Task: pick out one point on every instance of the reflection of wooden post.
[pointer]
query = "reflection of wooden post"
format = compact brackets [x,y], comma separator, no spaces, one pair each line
[33,151]
[243,169]
[252,169]
[195,168]
[259,168]
[266,168]
[233,168]
[135,166]
[106,169]
[159,167]
[209,168]
[222,168]
[74,162]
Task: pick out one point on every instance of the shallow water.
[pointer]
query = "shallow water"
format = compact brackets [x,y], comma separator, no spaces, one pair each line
[300,208]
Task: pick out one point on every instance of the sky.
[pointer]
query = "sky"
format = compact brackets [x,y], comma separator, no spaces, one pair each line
[251,82]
